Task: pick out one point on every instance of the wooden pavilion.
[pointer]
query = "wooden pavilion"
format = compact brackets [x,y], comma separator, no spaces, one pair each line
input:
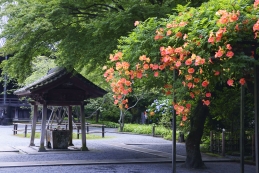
[59,88]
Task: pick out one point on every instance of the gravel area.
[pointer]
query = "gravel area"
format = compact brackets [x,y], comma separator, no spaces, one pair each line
[102,149]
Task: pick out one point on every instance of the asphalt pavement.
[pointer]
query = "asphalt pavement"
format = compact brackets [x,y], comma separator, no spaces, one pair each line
[116,153]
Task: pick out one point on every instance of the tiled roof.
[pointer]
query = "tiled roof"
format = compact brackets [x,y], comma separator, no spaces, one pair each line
[42,81]
[53,75]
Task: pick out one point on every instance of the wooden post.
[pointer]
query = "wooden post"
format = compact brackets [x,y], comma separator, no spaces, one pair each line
[173,131]
[87,128]
[25,130]
[33,128]
[78,131]
[211,141]
[43,128]
[253,147]
[70,127]
[84,147]
[256,103]
[103,131]
[14,129]
[223,142]
[242,130]
[153,130]
[218,142]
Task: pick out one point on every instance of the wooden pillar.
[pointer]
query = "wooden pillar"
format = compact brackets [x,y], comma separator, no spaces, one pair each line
[84,148]
[211,141]
[34,120]
[223,142]
[103,131]
[25,130]
[43,128]
[256,103]
[16,114]
[154,130]
[173,130]
[253,147]
[70,126]
[242,130]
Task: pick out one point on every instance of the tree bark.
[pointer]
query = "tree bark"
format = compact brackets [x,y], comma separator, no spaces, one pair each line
[197,121]
[121,121]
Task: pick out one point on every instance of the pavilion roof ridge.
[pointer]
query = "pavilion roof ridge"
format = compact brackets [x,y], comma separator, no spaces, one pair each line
[53,75]
[43,80]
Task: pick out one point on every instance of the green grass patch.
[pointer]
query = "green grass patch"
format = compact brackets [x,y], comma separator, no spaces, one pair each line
[147,129]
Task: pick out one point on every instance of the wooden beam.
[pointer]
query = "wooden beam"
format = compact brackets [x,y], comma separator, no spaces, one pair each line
[70,126]
[33,128]
[43,128]
[84,147]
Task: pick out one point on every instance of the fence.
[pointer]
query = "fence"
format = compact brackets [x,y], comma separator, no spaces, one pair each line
[26,128]
[227,142]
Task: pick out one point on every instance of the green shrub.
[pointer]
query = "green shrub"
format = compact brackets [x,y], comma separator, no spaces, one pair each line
[147,129]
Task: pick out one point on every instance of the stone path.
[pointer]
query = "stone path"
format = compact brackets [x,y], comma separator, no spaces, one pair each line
[117,153]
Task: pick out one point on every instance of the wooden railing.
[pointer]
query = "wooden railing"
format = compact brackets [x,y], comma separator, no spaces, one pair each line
[225,142]
[26,127]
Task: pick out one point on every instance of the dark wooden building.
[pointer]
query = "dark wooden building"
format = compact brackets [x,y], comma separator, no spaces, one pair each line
[12,109]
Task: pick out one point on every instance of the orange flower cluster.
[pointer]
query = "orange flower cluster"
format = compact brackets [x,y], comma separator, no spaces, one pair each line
[109,74]
[256,3]
[116,57]
[256,28]
[121,75]
[227,17]
[168,88]
[182,58]
[160,35]
[179,58]
[182,110]
[120,86]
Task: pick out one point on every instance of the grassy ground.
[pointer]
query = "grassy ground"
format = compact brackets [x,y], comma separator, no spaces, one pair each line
[162,131]
[165,132]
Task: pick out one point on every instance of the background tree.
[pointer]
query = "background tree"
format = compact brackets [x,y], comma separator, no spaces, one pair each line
[74,33]
[40,67]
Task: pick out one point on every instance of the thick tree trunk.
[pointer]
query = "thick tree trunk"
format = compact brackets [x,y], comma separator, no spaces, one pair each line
[197,120]
[121,121]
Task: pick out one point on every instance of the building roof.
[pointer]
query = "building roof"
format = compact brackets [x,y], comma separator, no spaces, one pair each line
[52,75]
[59,82]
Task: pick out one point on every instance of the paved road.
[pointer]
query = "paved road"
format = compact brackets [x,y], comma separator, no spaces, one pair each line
[117,153]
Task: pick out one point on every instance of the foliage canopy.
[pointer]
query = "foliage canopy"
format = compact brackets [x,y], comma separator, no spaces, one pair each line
[212,45]
[74,33]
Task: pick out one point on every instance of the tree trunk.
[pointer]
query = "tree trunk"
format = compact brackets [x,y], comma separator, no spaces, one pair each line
[197,121]
[121,120]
